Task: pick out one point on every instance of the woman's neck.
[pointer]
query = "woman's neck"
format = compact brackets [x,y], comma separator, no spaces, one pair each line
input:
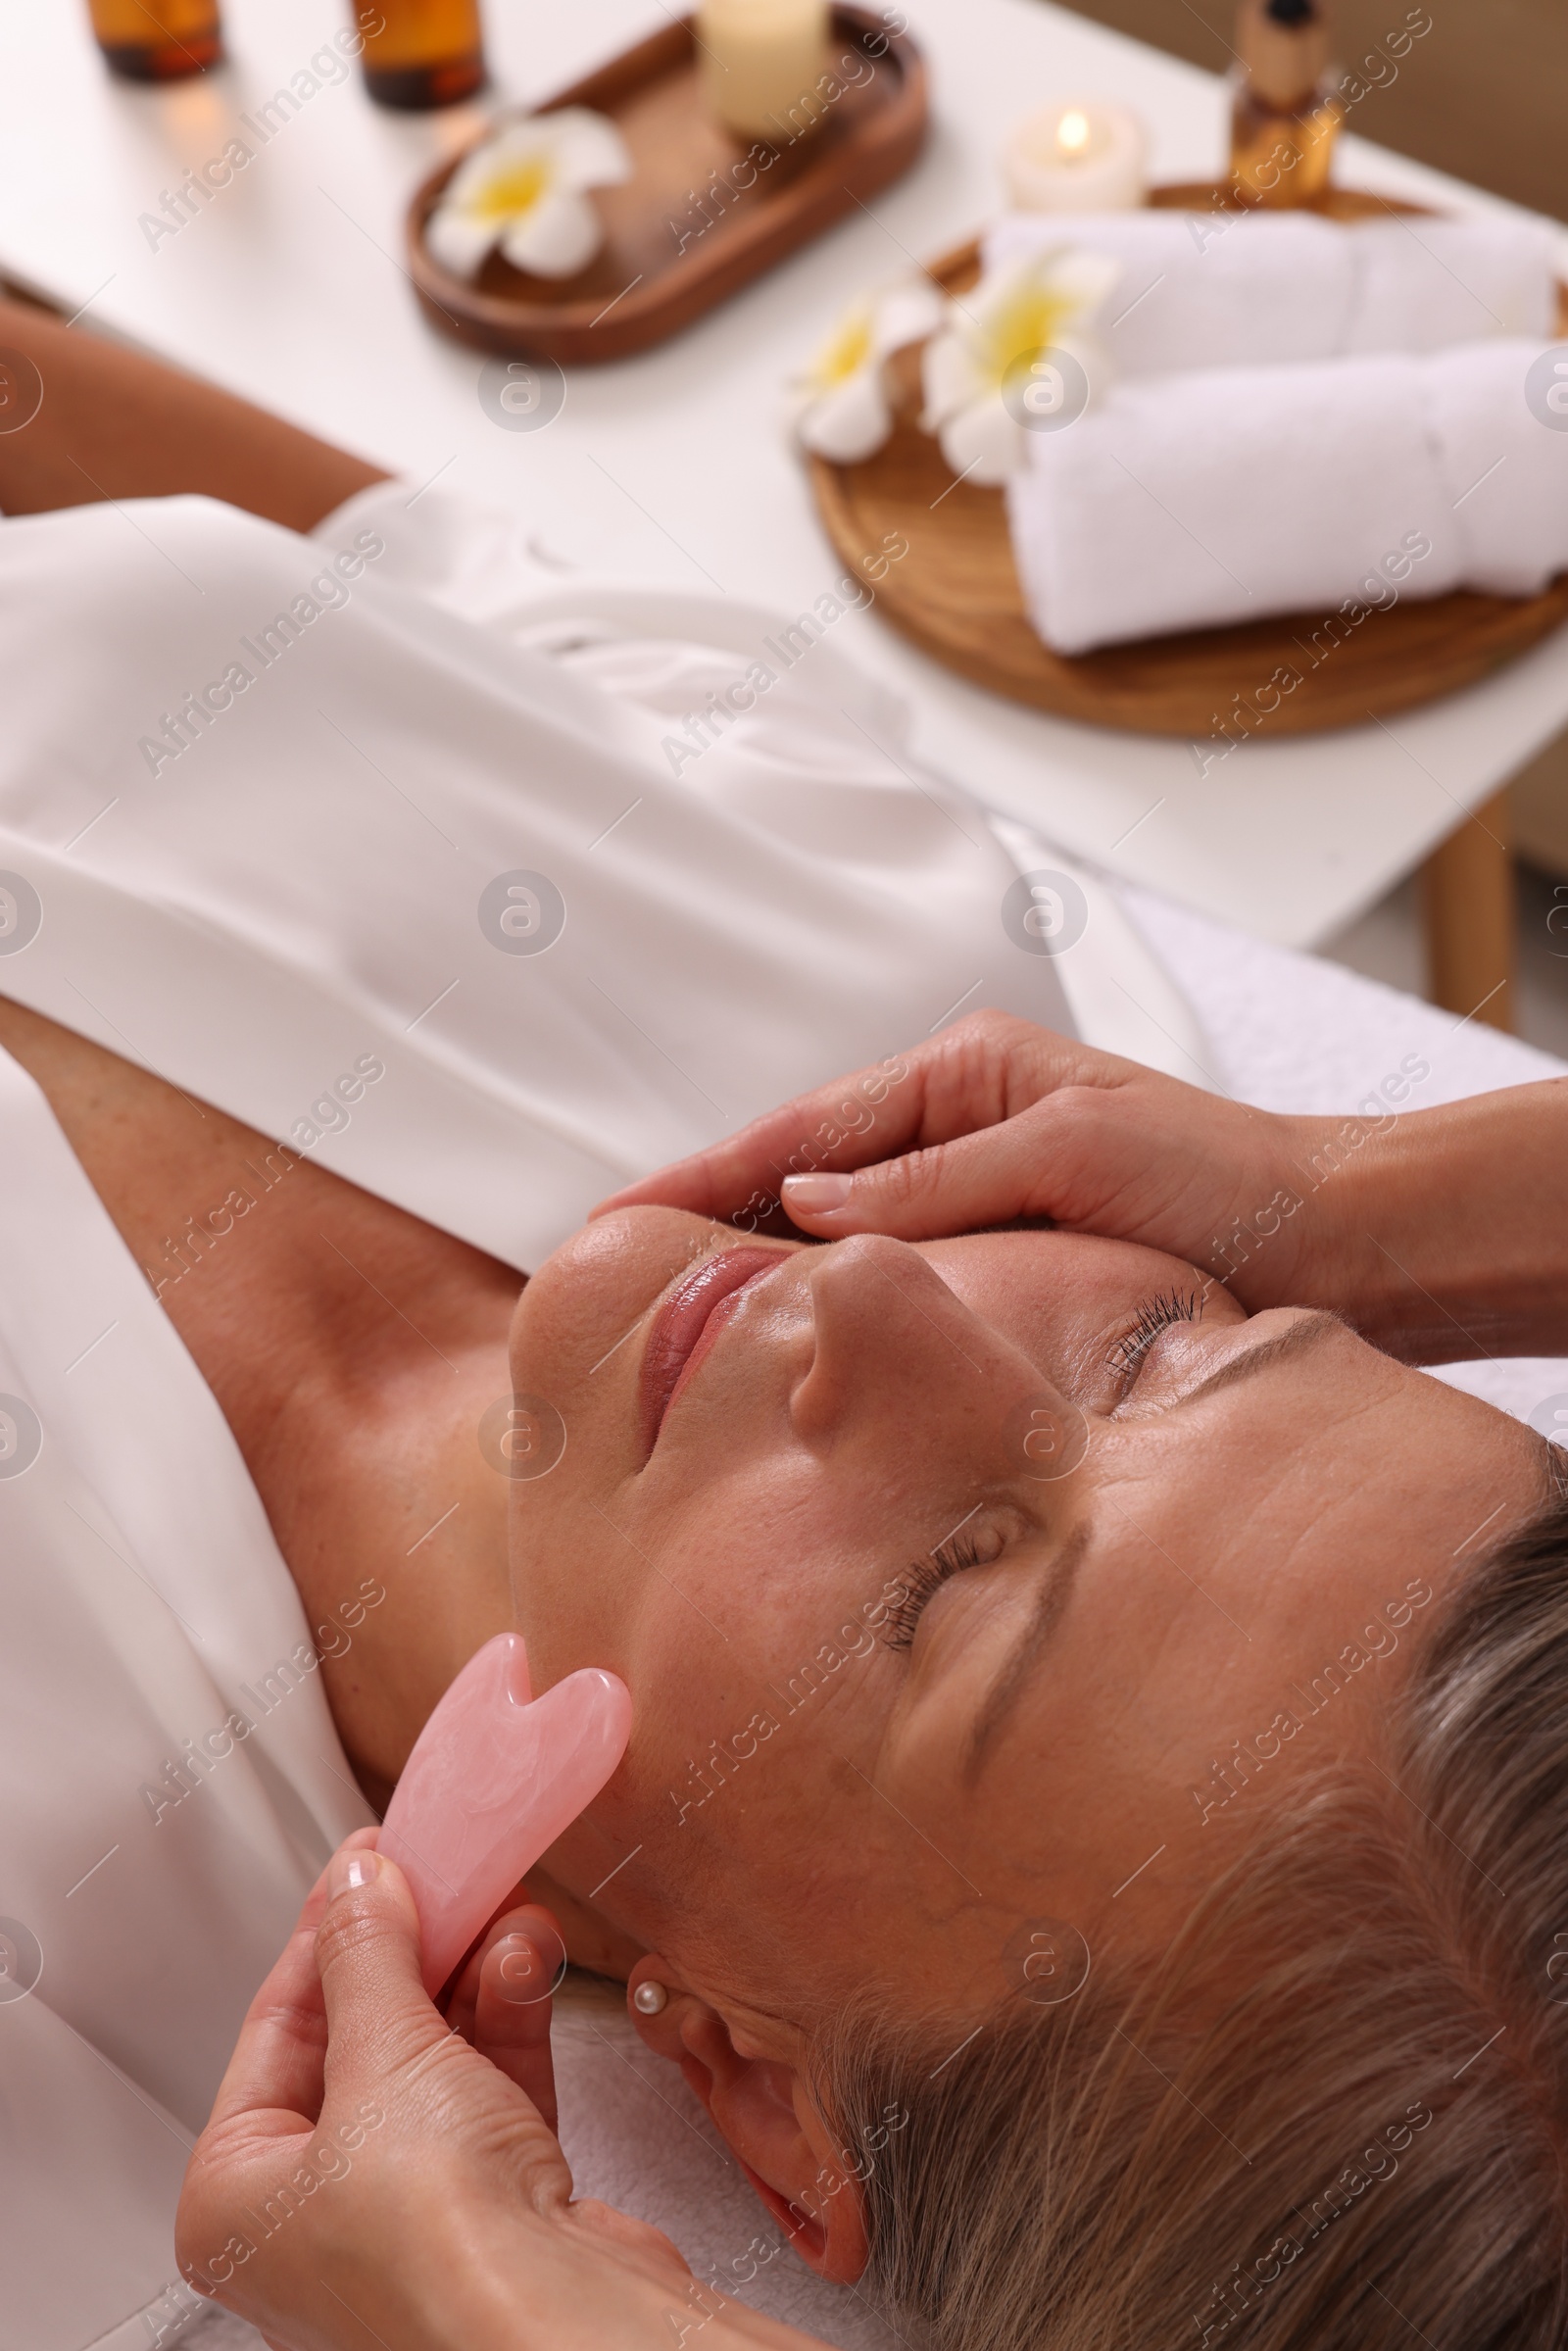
[353,1351]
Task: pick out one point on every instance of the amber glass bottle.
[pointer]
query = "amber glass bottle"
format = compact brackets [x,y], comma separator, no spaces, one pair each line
[424,53]
[157,40]
[1286,116]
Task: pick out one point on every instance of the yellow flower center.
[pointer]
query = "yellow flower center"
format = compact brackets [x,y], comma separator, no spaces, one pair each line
[846,352]
[513,188]
[1030,320]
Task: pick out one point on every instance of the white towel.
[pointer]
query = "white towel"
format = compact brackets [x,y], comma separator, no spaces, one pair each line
[1202,290]
[1198,500]
[1421,283]
[1505,474]
[1263,289]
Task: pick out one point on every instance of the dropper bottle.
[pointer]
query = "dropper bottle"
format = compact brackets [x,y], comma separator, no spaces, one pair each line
[422,53]
[1286,115]
[163,42]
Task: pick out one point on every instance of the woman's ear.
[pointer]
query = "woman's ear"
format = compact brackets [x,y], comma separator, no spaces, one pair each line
[765,2111]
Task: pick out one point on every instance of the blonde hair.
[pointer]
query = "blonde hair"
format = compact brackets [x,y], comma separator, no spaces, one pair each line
[1332,2114]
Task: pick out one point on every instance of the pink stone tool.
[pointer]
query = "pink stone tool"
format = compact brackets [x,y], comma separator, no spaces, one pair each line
[495,1776]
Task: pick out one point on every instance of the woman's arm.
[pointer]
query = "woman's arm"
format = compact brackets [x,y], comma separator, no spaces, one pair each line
[1441,1234]
[367,2176]
[113,425]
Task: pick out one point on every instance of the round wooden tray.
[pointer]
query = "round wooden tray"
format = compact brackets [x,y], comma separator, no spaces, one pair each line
[956,594]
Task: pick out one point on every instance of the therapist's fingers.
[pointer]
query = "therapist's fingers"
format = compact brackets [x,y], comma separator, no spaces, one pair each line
[276,2075]
[511,2023]
[269,2104]
[501,2003]
[999,1177]
[983,1070]
[857,1118]
[391,2052]
[515,1917]
[1141,1158]
[378,2014]
[996,1122]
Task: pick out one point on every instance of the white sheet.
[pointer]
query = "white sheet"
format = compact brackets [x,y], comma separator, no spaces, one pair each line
[230,939]
[141,1601]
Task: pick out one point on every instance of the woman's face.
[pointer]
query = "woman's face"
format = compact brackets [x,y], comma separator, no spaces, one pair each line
[961,1588]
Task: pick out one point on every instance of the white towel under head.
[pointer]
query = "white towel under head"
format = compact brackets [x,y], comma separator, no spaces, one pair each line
[1263,289]
[1197,500]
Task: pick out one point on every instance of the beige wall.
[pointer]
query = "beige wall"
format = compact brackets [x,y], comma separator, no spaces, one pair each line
[1485,93]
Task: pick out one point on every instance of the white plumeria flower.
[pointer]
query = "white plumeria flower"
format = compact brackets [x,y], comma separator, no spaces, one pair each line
[524,191]
[1041,302]
[843,412]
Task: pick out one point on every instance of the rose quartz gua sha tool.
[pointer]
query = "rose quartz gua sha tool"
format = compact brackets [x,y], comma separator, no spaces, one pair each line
[495,1776]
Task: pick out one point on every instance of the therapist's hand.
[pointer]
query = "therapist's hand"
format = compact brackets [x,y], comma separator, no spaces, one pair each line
[370,2175]
[996,1120]
[1437,1232]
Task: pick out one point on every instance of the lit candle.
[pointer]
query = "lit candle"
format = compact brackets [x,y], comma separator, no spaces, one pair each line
[761,62]
[1076,159]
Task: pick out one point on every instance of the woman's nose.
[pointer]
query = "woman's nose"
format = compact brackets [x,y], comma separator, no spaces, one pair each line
[892,1342]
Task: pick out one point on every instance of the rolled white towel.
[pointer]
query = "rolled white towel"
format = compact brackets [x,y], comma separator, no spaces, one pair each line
[1202,290]
[1503,471]
[1421,283]
[1197,500]
[1265,289]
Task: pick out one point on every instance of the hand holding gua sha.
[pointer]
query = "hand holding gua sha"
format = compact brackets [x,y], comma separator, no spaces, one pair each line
[495,1776]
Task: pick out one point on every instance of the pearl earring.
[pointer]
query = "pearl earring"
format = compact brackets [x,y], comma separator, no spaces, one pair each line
[649,1997]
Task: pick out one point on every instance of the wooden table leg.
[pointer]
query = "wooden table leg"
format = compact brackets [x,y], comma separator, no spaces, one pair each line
[1467,899]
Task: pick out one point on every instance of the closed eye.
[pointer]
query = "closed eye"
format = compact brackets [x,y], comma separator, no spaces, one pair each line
[968,1546]
[1156,1315]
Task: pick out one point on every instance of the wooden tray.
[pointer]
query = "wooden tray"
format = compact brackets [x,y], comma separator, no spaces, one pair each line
[957,593]
[645,283]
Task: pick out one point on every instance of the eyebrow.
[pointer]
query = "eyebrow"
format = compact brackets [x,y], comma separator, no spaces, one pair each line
[1303,1338]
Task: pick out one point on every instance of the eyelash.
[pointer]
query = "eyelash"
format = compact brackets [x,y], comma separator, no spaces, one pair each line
[924,1579]
[1157,1315]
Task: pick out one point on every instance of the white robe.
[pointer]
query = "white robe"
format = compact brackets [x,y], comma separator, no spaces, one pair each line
[303,883]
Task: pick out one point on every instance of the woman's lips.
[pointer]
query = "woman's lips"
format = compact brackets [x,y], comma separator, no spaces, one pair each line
[688,1323]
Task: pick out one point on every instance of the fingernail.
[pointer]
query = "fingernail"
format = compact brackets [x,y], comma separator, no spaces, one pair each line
[350,1870]
[526,1969]
[818,1195]
[522,1975]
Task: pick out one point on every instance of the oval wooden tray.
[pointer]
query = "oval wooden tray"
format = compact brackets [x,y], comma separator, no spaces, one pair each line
[666,259]
[956,594]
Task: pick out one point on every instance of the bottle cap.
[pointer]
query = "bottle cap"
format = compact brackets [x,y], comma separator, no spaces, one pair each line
[1284,45]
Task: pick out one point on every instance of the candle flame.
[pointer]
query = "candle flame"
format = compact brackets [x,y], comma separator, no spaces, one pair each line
[1072,132]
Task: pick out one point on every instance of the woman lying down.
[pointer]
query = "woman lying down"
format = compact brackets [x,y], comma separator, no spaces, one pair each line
[1091,1803]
